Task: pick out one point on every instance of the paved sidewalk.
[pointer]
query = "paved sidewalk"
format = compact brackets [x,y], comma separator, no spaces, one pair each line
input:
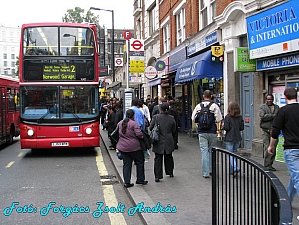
[188,191]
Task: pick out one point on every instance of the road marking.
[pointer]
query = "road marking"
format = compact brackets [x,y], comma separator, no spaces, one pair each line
[109,194]
[20,154]
[10,164]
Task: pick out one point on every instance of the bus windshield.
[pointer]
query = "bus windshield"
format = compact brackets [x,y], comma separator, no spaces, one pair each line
[58,103]
[58,41]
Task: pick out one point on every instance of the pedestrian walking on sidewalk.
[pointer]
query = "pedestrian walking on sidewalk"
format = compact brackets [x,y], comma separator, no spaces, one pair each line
[207,137]
[233,125]
[287,121]
[129,146]
[165,146]
[267,113]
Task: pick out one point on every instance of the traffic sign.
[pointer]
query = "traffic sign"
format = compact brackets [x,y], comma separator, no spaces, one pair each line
[127,34]
[119,61]
[150,72]
[136,45]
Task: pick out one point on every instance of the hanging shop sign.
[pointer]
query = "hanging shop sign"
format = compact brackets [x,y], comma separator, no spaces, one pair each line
[242,61]
[217,53]
[150,72]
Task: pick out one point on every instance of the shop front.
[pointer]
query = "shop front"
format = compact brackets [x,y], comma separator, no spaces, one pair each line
[195,75]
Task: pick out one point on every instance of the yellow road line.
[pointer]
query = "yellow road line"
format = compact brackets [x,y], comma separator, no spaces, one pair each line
[20,154]
[109,194]
[10,164]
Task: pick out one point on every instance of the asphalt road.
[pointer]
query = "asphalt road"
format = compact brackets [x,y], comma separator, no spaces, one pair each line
[61,187]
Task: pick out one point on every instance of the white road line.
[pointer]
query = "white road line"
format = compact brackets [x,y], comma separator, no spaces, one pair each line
[109,194]
[20,154]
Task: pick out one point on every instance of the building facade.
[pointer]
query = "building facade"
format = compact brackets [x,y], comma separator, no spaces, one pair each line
[9,49]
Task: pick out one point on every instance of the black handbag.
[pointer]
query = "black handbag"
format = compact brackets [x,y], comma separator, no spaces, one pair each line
[154,136]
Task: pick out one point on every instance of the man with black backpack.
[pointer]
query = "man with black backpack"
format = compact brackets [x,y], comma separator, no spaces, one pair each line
[206,114]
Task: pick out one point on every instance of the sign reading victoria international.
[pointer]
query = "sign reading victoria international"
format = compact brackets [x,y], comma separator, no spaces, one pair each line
[274,31]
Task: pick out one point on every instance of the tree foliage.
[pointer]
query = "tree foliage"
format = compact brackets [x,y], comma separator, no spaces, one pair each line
[78,15]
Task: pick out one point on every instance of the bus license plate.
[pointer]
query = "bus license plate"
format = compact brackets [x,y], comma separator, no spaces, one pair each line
[58,144]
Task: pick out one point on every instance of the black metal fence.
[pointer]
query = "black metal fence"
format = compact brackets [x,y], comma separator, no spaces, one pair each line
[245,192]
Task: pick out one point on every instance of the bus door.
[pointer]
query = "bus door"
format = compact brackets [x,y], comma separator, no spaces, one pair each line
[3,112]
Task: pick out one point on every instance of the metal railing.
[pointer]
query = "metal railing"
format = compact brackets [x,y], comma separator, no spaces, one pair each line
[252,195]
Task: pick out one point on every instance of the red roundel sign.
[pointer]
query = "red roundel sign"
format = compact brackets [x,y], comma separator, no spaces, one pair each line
[150,72]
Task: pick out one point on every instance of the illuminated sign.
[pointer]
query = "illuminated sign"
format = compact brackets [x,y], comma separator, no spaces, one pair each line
[274,31]
[59,72]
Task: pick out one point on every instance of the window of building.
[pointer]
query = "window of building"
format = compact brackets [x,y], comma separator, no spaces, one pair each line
[213,9]
[203,13]
[5,72]
[13,56]
[4,55]
[5,63]
[166,38]
[13,71]
[180,26]
[139,28]
[13,64]
[152,18]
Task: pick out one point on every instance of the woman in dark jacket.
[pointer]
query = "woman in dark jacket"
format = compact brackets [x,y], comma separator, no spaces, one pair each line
[165,145]
[129,146]
[111,125]
[233,125]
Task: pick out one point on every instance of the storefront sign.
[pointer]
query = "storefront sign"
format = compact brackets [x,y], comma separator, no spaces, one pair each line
[176,59]
[274,31]
[242,61]
[202,43]
[277,62]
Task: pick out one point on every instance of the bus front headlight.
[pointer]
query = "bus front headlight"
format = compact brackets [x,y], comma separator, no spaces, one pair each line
[30,132]
[88,130]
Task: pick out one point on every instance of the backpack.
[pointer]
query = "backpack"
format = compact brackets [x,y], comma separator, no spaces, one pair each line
[204,117]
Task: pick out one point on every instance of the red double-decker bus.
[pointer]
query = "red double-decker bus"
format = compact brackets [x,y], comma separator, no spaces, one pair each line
[59,86]
[9,109]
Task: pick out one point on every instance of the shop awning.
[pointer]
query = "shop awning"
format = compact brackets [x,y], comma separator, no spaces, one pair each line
[199,67]
[115,84]
[154,82]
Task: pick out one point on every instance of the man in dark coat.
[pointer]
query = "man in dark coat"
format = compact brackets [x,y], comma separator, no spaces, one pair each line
[267,113]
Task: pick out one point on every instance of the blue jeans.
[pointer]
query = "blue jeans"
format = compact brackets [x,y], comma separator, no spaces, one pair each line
[232,147]
[291,157]
[206,142]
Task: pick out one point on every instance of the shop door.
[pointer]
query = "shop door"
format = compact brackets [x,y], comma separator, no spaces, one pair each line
[247,105]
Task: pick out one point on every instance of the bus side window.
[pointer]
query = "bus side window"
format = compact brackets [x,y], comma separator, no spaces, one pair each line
[11,102]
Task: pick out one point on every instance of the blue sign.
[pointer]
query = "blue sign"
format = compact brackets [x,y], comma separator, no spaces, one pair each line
[274,31]
[202,43]
[277,62]
[176,59]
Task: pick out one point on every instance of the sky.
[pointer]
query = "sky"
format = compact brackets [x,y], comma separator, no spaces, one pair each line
[16,12]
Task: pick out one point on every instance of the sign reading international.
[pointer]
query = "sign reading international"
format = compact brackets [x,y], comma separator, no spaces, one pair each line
[242,61]
[274,31]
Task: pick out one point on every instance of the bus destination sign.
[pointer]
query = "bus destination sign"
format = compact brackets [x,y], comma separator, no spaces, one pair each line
[59,72]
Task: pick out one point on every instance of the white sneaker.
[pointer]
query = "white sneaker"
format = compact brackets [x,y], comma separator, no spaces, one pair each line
[297,217]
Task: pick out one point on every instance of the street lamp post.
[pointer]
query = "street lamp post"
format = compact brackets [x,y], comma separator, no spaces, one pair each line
[112,44]
[70,35]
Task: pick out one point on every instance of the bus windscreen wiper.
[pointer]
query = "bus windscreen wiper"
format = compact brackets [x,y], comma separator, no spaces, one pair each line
[40,120]
[75,115]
